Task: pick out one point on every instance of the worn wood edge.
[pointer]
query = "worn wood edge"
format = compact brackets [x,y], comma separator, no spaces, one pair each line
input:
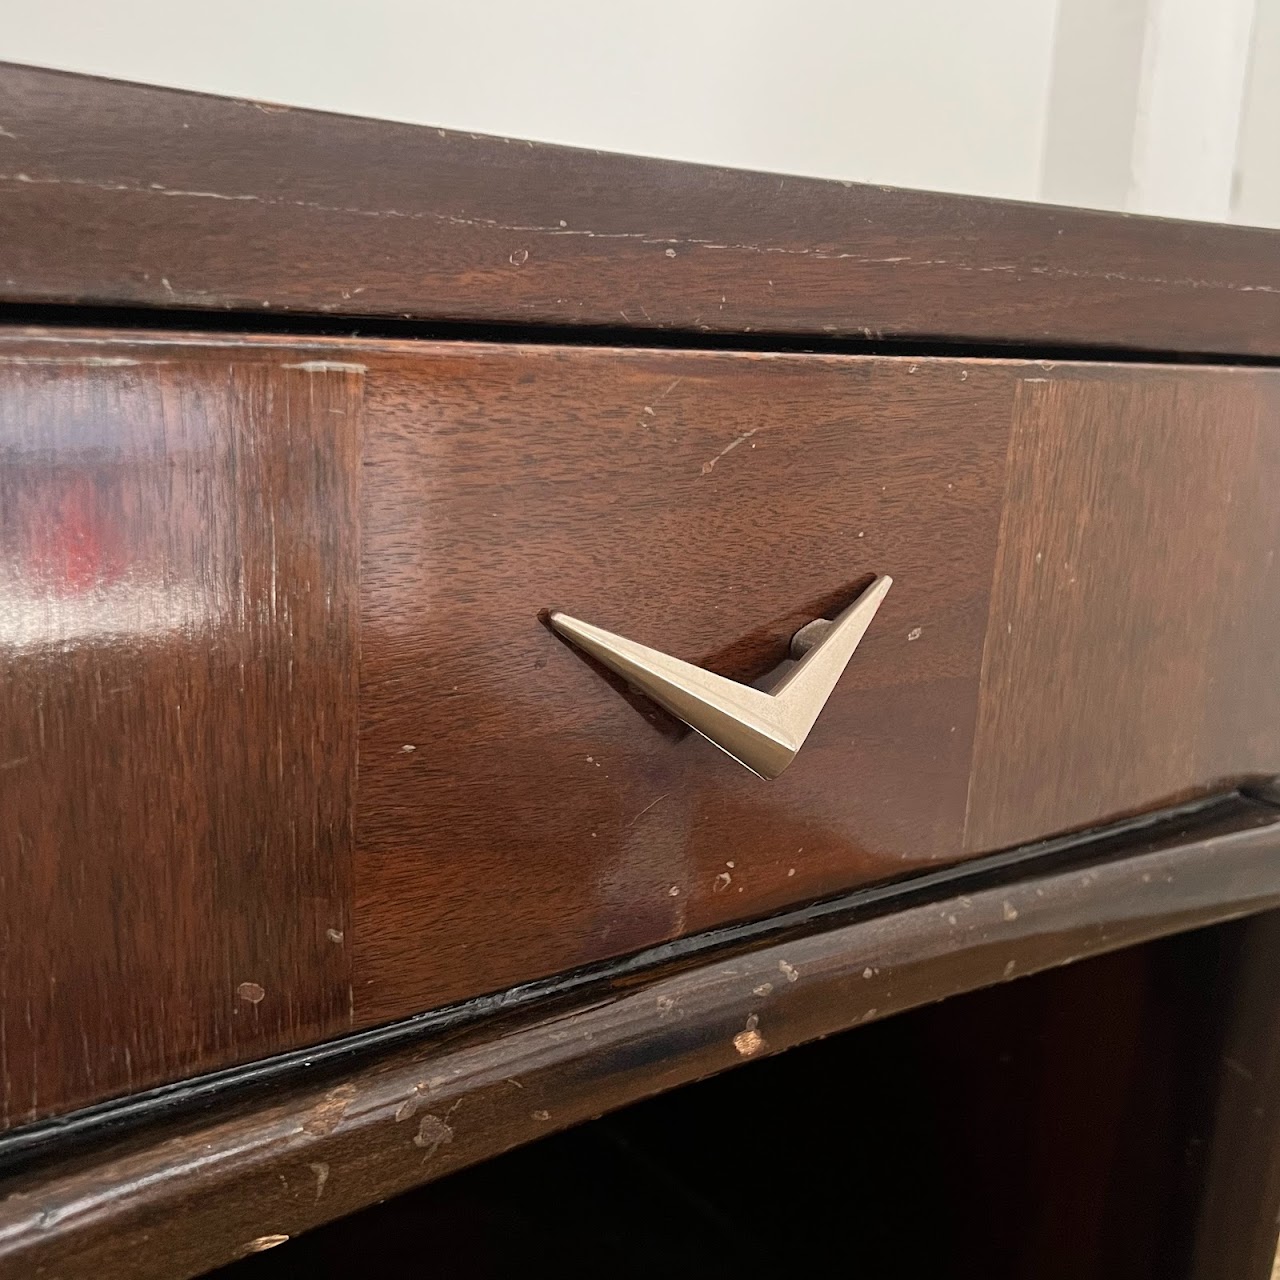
[300,340]
[204,1193]
[114,1118]
[490,229]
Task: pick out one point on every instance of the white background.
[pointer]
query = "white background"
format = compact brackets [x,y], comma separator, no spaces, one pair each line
[1153,106]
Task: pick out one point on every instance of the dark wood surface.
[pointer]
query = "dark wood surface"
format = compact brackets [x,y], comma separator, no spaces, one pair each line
[1237,1219]
[173,1203]
[1130,655]
[517,813]
[1011,1133]
[709,504]
[124,195]
[177,713]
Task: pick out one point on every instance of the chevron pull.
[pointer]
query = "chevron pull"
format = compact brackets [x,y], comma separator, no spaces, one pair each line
[763,731]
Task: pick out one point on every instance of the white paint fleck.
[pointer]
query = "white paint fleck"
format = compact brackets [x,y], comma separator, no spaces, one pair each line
[722,882]
[1008,910]
[791,974]
[408,748]
[250,992]
[519,257]
[541,1115]
[764,989]
[868,972]
[334,935]
[674,891]
[915,633]
[321,1170]
[1009,968]
[671,253]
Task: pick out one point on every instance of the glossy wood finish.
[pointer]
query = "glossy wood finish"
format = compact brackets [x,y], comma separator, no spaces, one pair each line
[181,1201]
[178,561]
[518,814]
[123,195]
[1130,656]
[709,504]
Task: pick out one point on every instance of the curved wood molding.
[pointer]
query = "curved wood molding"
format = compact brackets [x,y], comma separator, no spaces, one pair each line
[119,194]
[179,1202]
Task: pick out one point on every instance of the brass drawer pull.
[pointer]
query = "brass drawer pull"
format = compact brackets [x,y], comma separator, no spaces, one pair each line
[763,731]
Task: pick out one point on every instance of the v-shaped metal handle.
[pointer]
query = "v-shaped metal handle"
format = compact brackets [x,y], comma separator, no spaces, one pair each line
[763,731]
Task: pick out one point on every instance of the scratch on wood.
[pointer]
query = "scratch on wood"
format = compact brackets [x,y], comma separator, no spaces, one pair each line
[492,224]
[646,809]
[327,1115]
[432,1134]
[327,366]
[709,467]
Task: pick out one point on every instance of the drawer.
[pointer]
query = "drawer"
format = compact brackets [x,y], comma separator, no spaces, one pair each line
[289,748]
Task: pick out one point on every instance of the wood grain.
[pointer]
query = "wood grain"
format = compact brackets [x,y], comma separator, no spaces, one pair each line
[178,559]
[181,1201]
[123,195]
[518,815]
[1130,657]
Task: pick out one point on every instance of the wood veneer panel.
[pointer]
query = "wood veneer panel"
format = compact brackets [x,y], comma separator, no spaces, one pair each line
[186,1198]
[178,566]
[517,814]
[120,194]
[1131,657]
[520,816]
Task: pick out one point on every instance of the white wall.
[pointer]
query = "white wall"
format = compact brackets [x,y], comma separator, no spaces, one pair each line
[1078,101]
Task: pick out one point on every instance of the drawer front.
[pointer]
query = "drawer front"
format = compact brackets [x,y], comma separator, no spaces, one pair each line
[290,749]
